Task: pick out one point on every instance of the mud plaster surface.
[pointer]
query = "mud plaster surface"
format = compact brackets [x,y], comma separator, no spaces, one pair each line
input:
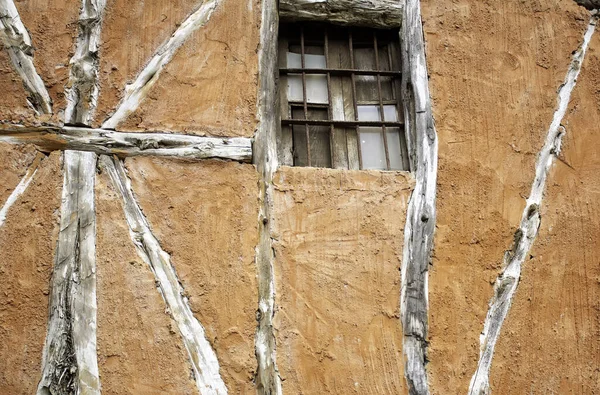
[140,350]
[14,161]
[549,343]
[27,242]
[495,68]
[210,85]
[338,246]
[205,216]
[13,101]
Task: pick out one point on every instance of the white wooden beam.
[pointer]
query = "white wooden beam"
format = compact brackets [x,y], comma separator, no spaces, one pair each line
[21,187]
[100,141]
[138,90]
[202,357]
[421,212]
[369,13]
[69,363]
[268,381]
[507,282]
[82,94]
[17,42]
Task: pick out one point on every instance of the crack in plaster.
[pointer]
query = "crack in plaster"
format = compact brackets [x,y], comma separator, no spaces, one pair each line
[507,282]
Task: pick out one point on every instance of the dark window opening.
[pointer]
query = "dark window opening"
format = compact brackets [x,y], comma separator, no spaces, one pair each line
[340,98]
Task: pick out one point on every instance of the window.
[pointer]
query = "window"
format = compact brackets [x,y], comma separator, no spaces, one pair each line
[340,98]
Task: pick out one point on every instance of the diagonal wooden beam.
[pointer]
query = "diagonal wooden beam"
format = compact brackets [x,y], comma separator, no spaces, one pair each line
[202,357]
[138,90]
[21,187]
[110,142]
[508,280]
[16,39]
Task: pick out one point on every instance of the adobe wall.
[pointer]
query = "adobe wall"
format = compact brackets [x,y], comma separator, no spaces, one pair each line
[494,73]
[27,243]
[550,341]
[494,67]
[338,240]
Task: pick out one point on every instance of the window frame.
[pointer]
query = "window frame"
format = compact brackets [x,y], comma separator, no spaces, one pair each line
[343,104]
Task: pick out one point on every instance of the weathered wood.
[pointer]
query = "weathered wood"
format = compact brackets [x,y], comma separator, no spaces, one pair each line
[508,280]
[18,44]
[267,377]
[202,356]
[21,187]
[71,337]
[138,90]
[100,141]
[589,4]
[369,13]
[69,364]
[421,213]
[82,94]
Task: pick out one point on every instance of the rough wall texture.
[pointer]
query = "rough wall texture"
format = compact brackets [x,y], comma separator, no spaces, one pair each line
[495,68]
[13,102]
[205,216]
[14,161]
[338,246]
[139,347]
[52,26]
[494,72]
[27,241]
[210,85]
[555,318]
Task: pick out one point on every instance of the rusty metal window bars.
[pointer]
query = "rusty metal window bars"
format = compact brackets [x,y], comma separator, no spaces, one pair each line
[340,98]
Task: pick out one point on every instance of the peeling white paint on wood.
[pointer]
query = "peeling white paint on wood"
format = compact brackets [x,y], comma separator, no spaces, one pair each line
[138,90]
[507,282]
[384,14]
[18,44]
[21,187]
[69,363]
[83,87]
[202,357]
[100,141]
[268,381]
[421,213]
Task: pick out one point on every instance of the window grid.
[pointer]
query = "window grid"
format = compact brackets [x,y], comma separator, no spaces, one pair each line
[352,72]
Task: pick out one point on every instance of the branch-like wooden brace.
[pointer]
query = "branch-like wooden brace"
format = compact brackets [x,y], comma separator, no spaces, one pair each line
[369,13]
[101,141]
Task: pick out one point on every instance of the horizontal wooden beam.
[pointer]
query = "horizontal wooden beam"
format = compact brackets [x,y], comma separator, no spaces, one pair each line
[122,144]
[369,13]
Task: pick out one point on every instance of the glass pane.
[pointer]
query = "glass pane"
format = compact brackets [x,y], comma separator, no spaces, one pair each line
[393,140]
[372,149]
[390,113]
[368,113]
[294,87]
[316,84]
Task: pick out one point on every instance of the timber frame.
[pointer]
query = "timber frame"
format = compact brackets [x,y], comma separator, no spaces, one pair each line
[74,347]
[422,148]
